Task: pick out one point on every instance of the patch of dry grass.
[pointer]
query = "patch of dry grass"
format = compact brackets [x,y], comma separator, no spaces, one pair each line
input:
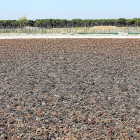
[104,27]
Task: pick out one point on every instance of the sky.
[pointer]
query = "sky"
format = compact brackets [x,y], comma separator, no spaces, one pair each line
[69,9]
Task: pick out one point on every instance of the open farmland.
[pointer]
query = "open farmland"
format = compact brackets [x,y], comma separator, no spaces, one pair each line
[71,30]
[70,88]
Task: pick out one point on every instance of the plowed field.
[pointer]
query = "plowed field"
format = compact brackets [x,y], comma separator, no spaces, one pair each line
[70,89]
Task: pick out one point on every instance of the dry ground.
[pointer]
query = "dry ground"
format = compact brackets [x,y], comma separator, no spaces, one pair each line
[75,30]
[105,27]
[70,89]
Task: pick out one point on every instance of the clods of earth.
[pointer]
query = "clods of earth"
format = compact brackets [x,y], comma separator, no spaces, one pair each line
[64,89]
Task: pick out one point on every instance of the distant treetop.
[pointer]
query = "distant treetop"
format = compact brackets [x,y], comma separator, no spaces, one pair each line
[23,18]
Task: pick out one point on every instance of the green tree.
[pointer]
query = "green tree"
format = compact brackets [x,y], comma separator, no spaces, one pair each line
[44,23]
[29,23]
[23,18]
[69,23]
[93,22]
[63,23]
[23,21]
[77,22]
[131,22]
[37,22]
[58,22]
[86,22]
[97,22]
[14,23]
[136,21]
[121,22]
[103,22]
[49,23]
[4,23]
[110,22]
[54,23]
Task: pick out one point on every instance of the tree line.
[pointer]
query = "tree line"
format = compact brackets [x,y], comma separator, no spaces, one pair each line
[61,23]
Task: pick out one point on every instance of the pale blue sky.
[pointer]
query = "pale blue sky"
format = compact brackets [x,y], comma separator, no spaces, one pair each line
[69,9]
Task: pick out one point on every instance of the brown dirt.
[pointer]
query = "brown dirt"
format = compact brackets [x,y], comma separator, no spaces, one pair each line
[70,89]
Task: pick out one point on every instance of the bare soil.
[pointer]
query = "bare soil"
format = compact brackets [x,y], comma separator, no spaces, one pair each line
[69,89]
